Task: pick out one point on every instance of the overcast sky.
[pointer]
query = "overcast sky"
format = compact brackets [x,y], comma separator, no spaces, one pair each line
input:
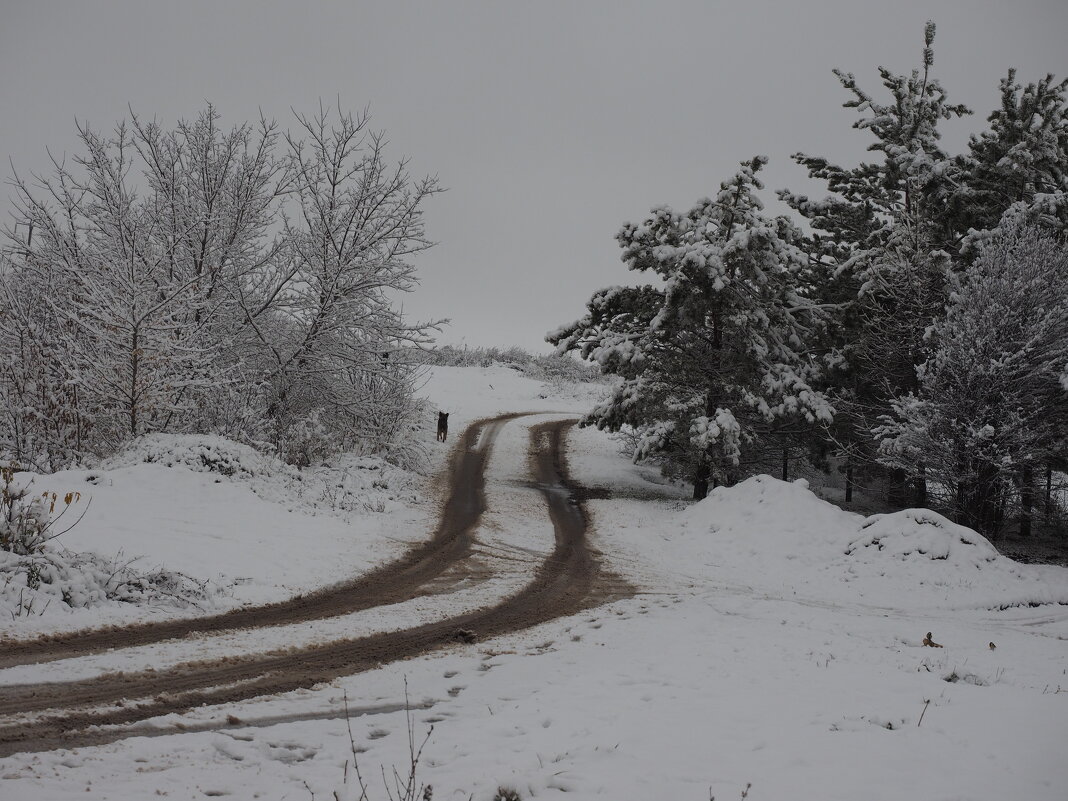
[550,123]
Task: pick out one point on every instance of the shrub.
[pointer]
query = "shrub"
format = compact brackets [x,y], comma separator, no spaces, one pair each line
[28,521]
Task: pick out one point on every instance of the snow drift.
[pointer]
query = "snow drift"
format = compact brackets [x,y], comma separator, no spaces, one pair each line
[778,537]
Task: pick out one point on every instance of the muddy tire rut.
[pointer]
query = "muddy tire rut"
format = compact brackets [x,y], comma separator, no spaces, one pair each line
[568,580]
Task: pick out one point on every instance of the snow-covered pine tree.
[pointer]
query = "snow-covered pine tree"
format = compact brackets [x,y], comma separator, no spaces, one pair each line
[992,406]
[881,246]
[1018,168]
[714,358]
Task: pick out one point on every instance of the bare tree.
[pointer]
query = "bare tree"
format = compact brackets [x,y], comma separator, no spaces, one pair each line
[357,221]
[195,279]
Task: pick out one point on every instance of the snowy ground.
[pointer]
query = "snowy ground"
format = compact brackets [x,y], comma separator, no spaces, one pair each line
[251,537]
[249,528]
[774,641]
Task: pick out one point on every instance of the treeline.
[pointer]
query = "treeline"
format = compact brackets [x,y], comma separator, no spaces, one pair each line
[917,332]
[198,279]
[550,367]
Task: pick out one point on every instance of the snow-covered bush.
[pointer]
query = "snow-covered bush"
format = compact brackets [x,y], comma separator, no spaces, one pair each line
[34,574]
[202,453]
[306,440]
[29,584]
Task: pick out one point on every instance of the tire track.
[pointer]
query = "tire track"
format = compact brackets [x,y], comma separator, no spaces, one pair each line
[567,581]
[393,583]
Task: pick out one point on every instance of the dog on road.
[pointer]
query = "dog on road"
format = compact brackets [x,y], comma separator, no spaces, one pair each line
[443,426]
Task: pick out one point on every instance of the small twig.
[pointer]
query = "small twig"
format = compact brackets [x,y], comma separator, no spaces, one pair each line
[352,745]
[925,703]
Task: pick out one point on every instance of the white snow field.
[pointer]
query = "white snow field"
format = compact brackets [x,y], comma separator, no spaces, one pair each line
[774,642]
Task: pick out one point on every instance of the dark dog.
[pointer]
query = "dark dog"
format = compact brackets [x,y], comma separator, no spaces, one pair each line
[443,426]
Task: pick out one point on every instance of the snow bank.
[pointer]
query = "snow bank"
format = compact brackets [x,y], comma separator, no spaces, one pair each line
[176,520]
[920,535]
[202,453]
[778,537]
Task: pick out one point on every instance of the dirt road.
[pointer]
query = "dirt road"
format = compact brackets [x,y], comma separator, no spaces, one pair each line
[566,581]
[392,583]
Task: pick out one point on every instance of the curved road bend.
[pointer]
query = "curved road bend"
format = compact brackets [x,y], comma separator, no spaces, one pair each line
[565,583]
[392,583]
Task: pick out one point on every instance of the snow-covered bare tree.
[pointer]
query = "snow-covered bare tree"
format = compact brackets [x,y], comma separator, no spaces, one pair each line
[992,406]
[136,254]
[46,422]
[215,196]
[337,338]
[164,287]
[714,358]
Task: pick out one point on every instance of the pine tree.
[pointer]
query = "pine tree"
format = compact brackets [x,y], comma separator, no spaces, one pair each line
[883,244]
[714,357]
[992,406]
[1018,168]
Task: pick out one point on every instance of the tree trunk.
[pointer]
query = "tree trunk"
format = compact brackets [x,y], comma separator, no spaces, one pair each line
[1027,500]
[999,516]
[1048,512]
[785,464]
[896,494]
[920,498]
[960,509]
[700,481]
[849,483]
[77,422]
[986,506]
[980,501]
[134,366]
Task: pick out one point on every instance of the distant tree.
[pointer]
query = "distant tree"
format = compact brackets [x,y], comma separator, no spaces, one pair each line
[714,358]
[992,406]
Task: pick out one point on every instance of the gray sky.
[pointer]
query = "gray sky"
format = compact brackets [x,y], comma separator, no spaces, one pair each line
[551,123]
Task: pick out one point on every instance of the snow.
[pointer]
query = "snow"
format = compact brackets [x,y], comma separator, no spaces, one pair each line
[254,535]
[774,640]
